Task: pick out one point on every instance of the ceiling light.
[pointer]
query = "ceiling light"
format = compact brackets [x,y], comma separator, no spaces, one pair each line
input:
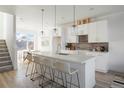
[91,9]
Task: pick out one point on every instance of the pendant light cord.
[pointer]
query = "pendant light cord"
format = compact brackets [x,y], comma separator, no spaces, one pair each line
[42,19]
[74,25]
[55,19]
[55,16]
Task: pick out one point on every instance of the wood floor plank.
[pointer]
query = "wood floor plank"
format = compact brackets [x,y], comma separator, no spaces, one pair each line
[3,81]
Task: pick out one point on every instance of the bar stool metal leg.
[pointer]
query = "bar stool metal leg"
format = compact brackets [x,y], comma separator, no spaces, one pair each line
[66,81]
[35,71]
[53,74]
[70,80]
[62,79]
[26,74]
[50,73]
[78,80]
[50,76]
[57,77]
[41,69]
[42,74]
[43,77]
[32,70]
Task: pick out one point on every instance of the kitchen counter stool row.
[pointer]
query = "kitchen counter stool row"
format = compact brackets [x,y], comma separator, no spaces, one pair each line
[52,70]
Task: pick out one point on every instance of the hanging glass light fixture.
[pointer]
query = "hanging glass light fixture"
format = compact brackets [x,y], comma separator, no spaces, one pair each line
[42,32]
[55,28]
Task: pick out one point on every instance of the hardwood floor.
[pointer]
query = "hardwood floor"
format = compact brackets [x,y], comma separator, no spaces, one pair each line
[17,79]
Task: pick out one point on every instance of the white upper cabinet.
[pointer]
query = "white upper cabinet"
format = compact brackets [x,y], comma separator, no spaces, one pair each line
[97,32]
[102,31]
[92,32]
[82,29]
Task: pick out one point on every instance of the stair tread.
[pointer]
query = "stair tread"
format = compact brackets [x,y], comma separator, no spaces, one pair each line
[6,61]
[5,57]
[3,48]
[6,66]
[2,45]
[2,42]
[4,52]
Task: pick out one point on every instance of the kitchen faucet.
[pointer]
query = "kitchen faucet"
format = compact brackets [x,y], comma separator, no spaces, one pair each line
[58,48]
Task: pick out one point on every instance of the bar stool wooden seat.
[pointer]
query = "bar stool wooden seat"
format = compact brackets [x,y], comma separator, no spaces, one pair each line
[65,68]
[29,58]
[37,67]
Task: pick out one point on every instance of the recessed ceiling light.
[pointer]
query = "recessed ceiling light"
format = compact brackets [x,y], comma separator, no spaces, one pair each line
[91,9]
[62,18]
[21,18]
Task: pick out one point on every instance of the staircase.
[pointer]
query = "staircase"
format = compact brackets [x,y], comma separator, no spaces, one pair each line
[5,60]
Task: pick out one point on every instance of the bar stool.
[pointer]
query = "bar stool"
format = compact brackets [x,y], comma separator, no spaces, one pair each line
[33,63]
[36,63]
[66,69]
[47,65]
[29,58]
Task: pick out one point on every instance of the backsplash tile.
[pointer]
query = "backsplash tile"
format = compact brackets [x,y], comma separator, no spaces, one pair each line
[102,47]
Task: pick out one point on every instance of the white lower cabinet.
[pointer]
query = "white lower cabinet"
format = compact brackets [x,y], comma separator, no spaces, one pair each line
[101,61]
[101,64]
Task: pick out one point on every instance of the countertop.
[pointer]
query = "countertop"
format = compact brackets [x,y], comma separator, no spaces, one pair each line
[84,52]
[72,58]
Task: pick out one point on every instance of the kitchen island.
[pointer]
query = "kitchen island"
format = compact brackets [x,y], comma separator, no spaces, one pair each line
[84,63]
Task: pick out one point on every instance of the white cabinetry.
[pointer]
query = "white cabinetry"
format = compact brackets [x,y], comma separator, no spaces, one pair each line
[83,29]
[92,32]
[97,32]
[102,63]
[102,32]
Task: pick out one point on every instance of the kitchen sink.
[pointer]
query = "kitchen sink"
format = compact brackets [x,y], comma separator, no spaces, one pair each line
[62,53]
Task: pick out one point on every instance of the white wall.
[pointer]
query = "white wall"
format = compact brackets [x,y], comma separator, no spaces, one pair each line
[1,27]
[2,33]
[7,9]
[9,28]
[116,42]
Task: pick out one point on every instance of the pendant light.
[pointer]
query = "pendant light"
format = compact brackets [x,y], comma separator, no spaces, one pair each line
[42,10]
[74,26]
[55,28]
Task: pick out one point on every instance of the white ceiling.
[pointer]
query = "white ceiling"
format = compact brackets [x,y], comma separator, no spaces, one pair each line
[29,17]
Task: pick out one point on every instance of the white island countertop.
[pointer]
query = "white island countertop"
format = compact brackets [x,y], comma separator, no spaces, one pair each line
[72,58]
[83,62]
